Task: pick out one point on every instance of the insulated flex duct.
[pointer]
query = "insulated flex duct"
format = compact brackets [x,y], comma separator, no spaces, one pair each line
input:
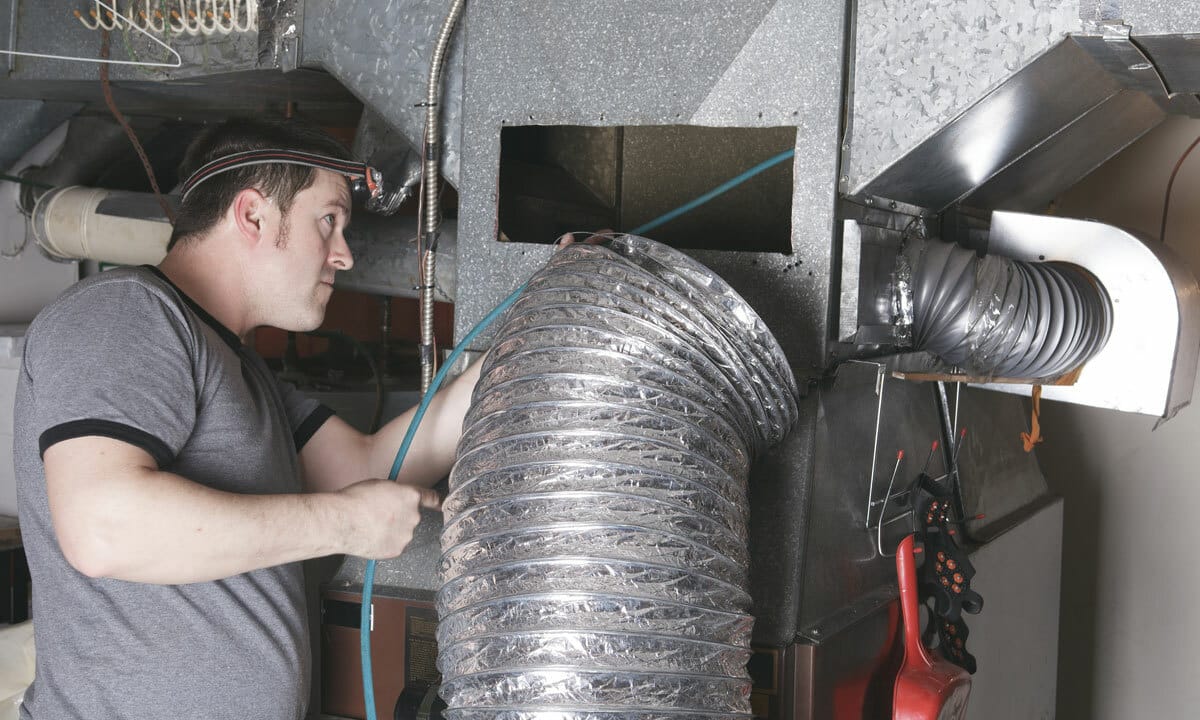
[997,317]
[594,554]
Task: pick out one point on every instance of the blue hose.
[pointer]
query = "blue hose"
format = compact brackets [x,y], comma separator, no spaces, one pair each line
[364,627]
[718,190]
[369,575]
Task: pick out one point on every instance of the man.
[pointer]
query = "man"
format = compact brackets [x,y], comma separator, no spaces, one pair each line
[169,487]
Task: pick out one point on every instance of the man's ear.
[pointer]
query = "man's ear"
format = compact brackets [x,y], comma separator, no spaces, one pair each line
[252,215]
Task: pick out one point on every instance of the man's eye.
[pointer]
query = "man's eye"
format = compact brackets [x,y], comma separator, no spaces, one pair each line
[330,218]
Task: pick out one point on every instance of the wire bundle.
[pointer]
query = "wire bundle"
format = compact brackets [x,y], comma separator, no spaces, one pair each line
[998,317]
[594,554]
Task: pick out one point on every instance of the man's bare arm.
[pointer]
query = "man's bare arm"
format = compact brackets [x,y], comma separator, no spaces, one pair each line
[116,515]
[337,454]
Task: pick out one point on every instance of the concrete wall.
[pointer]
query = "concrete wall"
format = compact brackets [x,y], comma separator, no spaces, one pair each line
[1129,629]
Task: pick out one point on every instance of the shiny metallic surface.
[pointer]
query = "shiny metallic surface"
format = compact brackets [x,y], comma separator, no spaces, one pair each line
[920,65]
[386,261]
[839,567]
[1031,181]
[1022,126]
[610,510]
[381,52]
[381,146]
[1158,17]
[1149,363]
[720,67]
[1175,57]
[851,259]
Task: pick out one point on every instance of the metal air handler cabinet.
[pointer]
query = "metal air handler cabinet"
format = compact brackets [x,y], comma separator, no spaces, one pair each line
[961,121]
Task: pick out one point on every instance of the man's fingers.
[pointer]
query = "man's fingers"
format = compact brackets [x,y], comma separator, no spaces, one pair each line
[595,238]
[430,498]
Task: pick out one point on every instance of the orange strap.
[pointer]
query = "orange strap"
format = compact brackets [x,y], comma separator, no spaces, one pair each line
[1034,436]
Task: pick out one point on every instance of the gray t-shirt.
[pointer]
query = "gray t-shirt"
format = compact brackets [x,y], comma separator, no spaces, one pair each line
[126,355]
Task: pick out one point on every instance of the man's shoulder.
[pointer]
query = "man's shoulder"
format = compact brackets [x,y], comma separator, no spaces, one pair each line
[109,291]
[105,302]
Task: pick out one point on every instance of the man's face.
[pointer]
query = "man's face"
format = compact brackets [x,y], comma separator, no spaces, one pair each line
[309,250]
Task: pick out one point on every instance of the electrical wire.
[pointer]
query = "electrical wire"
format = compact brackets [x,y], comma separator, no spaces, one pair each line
[1162,229]
[137,146]
[25,181]
[718,190]
[364,628]
[17,250]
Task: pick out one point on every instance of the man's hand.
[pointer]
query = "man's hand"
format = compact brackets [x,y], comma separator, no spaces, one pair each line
[596,238]
[382,515]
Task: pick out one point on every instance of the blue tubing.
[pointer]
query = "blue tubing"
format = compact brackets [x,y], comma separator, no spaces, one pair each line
[718,190]
[364,627]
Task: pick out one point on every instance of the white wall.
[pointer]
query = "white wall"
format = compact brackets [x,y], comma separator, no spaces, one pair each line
[1129,630]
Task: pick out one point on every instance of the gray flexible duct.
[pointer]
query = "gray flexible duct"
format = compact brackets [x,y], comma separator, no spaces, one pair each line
[594,559]
[998,317]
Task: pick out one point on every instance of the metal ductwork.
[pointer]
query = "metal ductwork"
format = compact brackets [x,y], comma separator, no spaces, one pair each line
[1096,314]
[1005,104]
[997,317]
[594,553]
[1149,363]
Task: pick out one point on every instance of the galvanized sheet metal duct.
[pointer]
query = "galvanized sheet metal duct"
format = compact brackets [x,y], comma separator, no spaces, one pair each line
[594,553]
[998,317]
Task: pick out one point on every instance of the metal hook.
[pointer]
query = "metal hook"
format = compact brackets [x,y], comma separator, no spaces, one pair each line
[140,63]
[879,380]
[883,511]
[957,392]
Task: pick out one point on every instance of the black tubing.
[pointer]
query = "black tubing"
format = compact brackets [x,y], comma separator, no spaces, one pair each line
[997,317]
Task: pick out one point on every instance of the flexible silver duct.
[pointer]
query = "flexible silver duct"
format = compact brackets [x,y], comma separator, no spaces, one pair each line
[998,317]
[594,558]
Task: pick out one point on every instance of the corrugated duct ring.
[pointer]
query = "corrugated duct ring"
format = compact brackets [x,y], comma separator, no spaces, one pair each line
[594,552]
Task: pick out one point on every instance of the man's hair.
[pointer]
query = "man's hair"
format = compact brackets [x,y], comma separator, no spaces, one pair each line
[207,203]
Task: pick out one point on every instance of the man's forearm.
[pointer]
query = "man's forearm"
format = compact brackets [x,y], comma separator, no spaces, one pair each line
[431,454]
[156,527]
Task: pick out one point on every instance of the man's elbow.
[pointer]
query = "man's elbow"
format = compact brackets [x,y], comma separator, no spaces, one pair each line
[89,549]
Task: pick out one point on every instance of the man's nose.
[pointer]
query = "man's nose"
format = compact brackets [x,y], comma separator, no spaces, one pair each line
[339,255]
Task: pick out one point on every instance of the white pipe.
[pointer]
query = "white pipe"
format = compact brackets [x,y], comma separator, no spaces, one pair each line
[66,225]
[12,223]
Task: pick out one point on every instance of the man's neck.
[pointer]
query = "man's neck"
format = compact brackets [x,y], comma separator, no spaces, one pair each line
[214,283]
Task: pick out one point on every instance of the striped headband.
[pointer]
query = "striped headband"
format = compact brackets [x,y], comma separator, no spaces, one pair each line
[365,179]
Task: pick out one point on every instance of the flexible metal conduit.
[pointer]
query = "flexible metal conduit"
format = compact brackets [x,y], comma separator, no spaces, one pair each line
[998,317]
[431,196]
[594,558]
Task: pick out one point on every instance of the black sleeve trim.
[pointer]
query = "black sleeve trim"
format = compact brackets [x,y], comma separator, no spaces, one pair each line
[107,428]
[311,425]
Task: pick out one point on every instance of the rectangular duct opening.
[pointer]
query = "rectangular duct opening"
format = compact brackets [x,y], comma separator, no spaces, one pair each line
[556,179]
